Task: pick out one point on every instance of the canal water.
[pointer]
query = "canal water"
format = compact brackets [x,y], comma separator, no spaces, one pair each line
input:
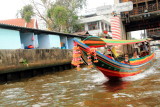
[85,88]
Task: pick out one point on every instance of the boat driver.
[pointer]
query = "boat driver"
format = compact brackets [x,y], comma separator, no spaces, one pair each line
[126,60]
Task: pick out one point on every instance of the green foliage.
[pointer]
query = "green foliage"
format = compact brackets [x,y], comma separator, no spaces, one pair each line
[63,18]
[73,5]
[60,15]
[27,12]
[78,27]
[24,61]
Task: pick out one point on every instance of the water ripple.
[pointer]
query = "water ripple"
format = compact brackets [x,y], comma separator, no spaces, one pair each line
[86,88]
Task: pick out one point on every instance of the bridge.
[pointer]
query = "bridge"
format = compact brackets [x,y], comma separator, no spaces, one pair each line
[144,15]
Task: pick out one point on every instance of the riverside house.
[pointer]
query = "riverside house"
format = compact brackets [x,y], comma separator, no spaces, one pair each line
[20,37]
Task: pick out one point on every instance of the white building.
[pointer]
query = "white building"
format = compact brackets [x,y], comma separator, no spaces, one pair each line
[95,24]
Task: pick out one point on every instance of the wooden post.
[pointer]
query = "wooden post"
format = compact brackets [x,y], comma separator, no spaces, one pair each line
[157,4]
[146,4]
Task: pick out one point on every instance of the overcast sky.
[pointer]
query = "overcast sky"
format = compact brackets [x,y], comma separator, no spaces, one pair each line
[9,8]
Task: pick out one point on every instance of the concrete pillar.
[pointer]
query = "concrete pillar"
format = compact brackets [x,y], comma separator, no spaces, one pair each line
[100,26]
[86,27]
[108,27]
[67,47]
[104,26]
[124,37]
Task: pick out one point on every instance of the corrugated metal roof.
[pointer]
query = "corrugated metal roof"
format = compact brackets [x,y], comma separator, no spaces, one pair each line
[36,31]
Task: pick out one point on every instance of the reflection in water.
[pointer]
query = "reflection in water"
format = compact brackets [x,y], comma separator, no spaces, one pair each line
[115,86]
[85,88]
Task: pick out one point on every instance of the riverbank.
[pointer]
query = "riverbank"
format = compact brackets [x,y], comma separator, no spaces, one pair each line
[18,64]
[18,60]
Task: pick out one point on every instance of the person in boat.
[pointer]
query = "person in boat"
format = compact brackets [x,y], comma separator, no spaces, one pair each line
[108,53]
[126,59]
[135,55]
[136,48]
[144,49]
[148,47]
[143,53]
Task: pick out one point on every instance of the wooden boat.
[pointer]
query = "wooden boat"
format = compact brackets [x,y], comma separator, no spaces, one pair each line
[111,68]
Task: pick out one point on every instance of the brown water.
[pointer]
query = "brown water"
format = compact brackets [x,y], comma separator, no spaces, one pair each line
[85,88]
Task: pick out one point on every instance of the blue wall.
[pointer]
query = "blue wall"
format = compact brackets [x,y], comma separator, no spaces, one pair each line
[70,43]
[9,39]
[55,41]
[36,45]
[12,39]
[64,40]
[26,39]
[48,41]
[43,41]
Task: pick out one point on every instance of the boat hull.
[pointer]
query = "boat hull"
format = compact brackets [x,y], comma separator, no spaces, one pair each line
[114,69]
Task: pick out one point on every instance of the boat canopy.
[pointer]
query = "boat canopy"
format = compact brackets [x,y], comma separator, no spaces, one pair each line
[93,41]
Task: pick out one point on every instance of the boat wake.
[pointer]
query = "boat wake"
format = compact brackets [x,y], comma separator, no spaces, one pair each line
[151,70]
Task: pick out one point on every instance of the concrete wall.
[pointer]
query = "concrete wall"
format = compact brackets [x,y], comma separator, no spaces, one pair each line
[9,39]
[14,60]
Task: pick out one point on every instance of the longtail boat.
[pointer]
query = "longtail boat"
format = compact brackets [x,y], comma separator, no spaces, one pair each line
[85,50]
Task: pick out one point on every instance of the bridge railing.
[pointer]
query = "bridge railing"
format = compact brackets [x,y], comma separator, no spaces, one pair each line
[138,1]
[153,31]
[142,9]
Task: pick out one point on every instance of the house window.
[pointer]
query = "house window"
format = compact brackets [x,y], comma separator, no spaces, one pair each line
[93,26]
